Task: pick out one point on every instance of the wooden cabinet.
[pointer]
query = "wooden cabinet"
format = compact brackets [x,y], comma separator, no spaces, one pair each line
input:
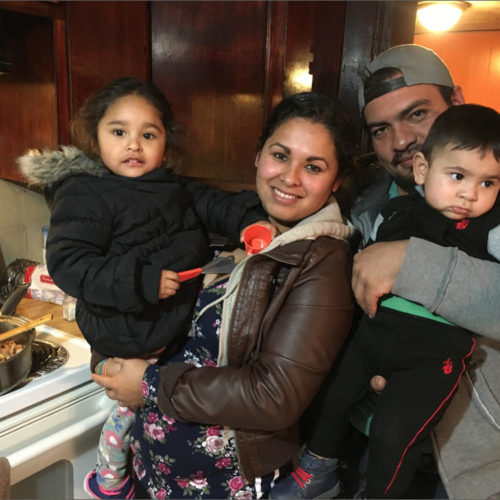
[60,52]
[28,92]
[106,40]
[224,65]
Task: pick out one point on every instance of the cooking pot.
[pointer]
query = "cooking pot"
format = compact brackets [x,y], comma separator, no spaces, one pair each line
[15,369]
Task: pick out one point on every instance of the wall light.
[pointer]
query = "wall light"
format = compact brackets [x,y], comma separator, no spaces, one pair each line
[440,16]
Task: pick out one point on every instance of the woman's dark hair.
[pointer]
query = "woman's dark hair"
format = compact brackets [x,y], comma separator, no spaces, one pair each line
[84,125]
[318,108]
[466,126]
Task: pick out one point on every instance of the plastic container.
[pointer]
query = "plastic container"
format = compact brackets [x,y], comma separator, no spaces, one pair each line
[256,238]
[69,308]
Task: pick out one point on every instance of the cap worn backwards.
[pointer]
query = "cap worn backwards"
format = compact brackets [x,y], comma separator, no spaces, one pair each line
[418,65]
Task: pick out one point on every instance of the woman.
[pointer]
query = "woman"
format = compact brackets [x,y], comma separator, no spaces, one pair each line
[220,418]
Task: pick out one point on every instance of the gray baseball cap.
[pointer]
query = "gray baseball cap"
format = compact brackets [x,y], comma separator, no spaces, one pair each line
[419,65]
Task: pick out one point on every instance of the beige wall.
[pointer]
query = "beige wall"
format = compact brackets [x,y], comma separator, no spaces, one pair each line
[474,61]
[22,215]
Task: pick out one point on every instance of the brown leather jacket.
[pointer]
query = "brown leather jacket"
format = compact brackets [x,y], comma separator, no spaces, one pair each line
[290,318]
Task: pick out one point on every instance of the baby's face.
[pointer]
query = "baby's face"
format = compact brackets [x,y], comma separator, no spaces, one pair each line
[459,183]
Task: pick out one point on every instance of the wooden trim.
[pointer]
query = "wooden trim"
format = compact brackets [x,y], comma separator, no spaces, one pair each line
[224,185]
[277,14]
[327,47]
[62,80]
[40,9]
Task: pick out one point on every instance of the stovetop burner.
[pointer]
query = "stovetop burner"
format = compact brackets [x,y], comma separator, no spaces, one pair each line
[65,368]
[47,356]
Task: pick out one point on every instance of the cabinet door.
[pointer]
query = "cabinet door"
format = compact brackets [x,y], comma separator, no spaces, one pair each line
[97,41]
[224,65]
[107,40]
[28,94]
[209,59]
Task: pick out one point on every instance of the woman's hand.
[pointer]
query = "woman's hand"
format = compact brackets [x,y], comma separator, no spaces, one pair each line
[126,385]
[169,284]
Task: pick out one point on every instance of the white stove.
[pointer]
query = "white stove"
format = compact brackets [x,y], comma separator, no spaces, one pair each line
[50,426]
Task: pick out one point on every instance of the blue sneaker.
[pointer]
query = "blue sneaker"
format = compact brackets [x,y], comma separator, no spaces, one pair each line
[313,478]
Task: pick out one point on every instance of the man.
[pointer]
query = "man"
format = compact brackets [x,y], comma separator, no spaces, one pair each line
[398,113]
[407,87]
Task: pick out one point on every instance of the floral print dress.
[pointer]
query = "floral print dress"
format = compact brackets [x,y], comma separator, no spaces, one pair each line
[178,460]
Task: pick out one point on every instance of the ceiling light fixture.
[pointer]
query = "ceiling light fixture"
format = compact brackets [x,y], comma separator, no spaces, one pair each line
[440,16]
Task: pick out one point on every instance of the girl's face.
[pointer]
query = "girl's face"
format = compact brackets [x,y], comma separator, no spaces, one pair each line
[131,137]
[297,170]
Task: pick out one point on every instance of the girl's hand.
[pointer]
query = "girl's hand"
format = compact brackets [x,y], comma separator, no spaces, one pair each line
[126,385]
[169,284]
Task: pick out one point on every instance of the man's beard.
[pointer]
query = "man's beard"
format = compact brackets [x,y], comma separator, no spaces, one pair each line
[406,182]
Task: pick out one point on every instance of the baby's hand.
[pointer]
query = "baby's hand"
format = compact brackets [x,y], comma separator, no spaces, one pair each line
[265,223]
[169,284]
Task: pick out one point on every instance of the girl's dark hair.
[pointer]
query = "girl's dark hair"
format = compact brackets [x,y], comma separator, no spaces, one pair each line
[466,126]
[318,108]
[84,125]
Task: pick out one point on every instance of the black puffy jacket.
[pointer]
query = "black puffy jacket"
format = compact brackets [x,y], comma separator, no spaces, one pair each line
[110,236]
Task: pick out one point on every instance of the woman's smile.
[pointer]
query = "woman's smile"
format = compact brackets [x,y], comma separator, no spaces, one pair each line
[281,195]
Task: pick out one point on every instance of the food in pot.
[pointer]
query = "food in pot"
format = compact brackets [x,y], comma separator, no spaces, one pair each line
[9,349]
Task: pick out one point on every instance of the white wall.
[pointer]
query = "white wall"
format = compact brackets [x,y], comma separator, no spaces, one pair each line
[22,215]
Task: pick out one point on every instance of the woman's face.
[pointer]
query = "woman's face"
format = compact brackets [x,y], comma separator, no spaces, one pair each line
[297,170]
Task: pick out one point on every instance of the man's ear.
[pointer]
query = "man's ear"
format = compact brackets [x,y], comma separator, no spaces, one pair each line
[420,168]
[457,97]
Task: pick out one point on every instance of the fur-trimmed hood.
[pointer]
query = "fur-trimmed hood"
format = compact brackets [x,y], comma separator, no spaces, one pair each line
[47,168]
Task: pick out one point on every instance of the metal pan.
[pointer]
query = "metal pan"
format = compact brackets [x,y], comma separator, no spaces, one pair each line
[15,369]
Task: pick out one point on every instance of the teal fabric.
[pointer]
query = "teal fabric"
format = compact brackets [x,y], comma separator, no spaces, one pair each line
[406,306]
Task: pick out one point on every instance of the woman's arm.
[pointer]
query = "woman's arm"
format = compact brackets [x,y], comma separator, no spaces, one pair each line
[275,385]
